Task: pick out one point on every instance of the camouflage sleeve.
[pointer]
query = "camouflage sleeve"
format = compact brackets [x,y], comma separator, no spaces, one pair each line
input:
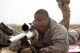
[64,1]
[73,36]
[67,1]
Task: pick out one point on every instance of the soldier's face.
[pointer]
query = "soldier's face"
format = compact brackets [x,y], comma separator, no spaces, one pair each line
[41,22]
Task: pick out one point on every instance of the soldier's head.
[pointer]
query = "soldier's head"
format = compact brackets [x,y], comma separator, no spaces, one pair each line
[41,19]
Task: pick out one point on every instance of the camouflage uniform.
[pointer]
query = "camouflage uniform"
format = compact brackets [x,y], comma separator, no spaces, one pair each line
[54,40]
[74,35]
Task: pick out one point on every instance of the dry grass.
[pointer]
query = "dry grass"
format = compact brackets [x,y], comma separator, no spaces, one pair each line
[17,28]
